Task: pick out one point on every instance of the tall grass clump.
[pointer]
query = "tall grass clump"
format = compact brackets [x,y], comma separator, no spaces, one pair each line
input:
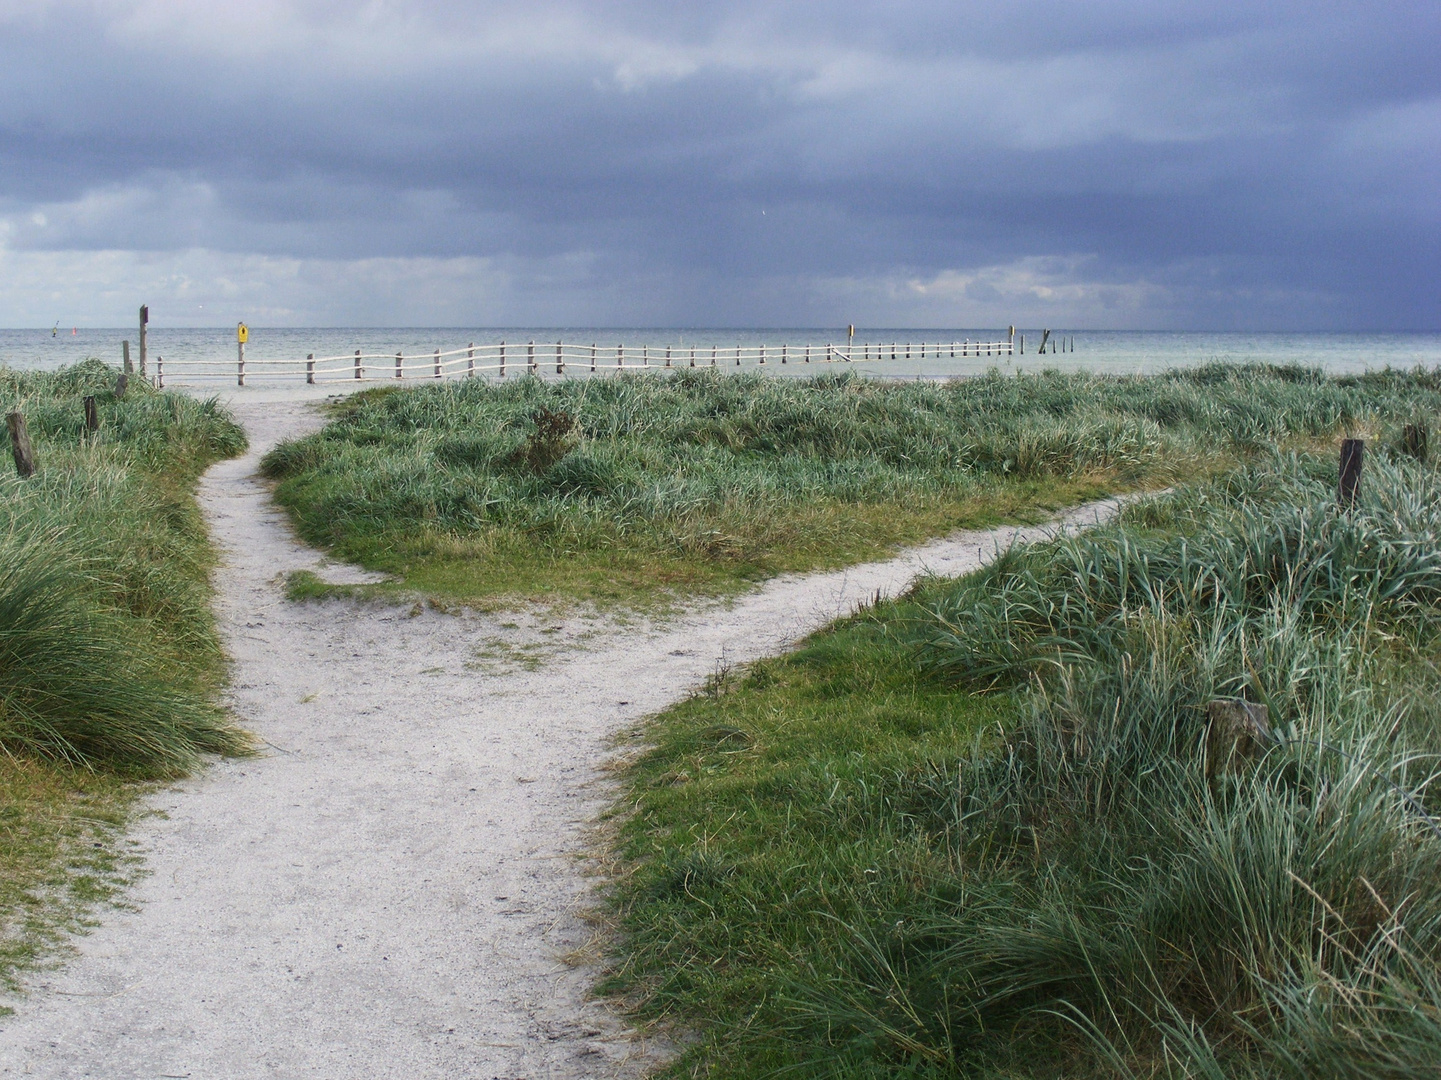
[1028,861]
[695,472]
[108,653]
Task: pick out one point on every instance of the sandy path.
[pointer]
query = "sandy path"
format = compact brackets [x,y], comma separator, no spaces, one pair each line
[390,889]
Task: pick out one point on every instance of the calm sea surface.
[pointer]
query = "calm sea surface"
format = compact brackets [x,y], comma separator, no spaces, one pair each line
[1098,350]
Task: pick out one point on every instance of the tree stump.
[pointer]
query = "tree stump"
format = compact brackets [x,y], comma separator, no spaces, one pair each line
[121,382]
[1236,732]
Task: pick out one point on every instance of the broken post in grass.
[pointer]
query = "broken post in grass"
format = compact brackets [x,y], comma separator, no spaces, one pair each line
[1236,732]
[121,382]
[92,416]
[125,357]
[1414,438]
[1352,452]
[20,444]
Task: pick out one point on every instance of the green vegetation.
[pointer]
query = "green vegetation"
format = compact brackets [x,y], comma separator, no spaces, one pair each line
[700,481]
[109,659]
[975,831]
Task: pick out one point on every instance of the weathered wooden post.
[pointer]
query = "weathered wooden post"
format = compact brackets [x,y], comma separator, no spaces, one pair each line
[1352,452]
[592,357]
[122,381]
[502,359]
[763,354]
[1236,731]
[92,414]
[559,358]
[713,351]
[645,356]
[1044,335]
[159,372]
[358,369]
[692,356]
[144,321]
[1023,344]
[400,365]
[530,358]
[437,363]
[470,361]
[667,356]
[125,356]
[310,369]
[785,349]
[20,444]
[620,356]
[808,354]
[1413,441]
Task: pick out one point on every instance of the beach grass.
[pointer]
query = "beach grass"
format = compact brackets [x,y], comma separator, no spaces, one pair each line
[109,658]
[978,832]
[697,482]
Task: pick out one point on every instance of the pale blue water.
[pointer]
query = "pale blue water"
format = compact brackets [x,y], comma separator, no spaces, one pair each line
[1097,350]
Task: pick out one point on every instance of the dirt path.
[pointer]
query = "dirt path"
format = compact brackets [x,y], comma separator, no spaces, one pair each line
[391,889]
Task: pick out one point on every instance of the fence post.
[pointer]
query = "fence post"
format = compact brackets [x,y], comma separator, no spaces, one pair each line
[712,355]
[1352,452]
[738,356]
[358,372]
[92,414]
[530,358]
[763,354]
[692,356]
[592,357]
[309,368]
[559,358]
[1413,441]
[125,356]
[437,363]
[470,361]
[645,356]
[239,363]
[144,321]
[502,359]
[20,444]
[620,356]
[159,372]
[400,365]
[667,356]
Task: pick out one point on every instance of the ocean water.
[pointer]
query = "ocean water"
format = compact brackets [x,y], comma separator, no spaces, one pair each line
[1108,350]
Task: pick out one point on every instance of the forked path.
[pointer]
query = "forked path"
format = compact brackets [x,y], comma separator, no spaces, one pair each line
[395,887]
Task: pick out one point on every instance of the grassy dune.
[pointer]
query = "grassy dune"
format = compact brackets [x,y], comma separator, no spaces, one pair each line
[108,654]
[701,482]
[972,832]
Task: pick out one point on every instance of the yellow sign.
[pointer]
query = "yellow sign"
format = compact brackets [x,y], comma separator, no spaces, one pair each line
[242,333]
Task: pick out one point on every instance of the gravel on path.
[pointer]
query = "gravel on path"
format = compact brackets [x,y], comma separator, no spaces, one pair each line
[397,886]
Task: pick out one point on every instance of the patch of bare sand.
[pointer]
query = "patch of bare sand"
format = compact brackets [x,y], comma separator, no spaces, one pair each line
[390,889]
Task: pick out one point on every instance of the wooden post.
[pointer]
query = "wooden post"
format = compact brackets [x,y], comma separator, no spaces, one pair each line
[502,359]
[1352,452]
[310,369]
[1236,732]
[160,372]
[530,358]
[20,444]
[692,356]
[667,356]
[470,361]
[1413,441]
[1044,335]
[121,382]
[357,364]
[437,363]
[785,349]
[893,350]
[620,356]
[808,354]
[92,414]
[738,356]
[239,363]
[125,357]
[1023,344]
[400,365]
[645,356]
[763,354]
[559,358]
[712,355]
[592,357]
[144,320]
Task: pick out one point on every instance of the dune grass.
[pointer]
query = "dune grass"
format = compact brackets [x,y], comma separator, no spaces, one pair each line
[109,659]
[973,832]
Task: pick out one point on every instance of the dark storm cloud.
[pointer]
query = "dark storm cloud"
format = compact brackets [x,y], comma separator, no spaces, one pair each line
[1244,164]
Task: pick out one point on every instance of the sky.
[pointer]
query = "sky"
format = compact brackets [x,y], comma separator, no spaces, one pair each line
[1137,164]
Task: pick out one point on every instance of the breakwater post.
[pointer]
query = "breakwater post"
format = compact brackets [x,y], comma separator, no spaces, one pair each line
[20,444]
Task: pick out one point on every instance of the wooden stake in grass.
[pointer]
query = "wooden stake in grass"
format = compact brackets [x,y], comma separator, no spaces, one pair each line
[20,444]
[1352,452]
[92,416]
[1413,441]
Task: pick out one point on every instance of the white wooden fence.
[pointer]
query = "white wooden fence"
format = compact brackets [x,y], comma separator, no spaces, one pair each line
[560,358]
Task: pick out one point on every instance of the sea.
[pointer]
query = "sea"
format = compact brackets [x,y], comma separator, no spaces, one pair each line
[1097,350]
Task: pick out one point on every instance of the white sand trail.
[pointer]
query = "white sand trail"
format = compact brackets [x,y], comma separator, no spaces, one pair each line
[388,891]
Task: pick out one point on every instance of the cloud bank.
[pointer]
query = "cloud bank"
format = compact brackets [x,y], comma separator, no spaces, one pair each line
[1184,165]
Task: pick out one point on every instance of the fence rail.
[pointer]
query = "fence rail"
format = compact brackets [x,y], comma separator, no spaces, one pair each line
[560,358]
